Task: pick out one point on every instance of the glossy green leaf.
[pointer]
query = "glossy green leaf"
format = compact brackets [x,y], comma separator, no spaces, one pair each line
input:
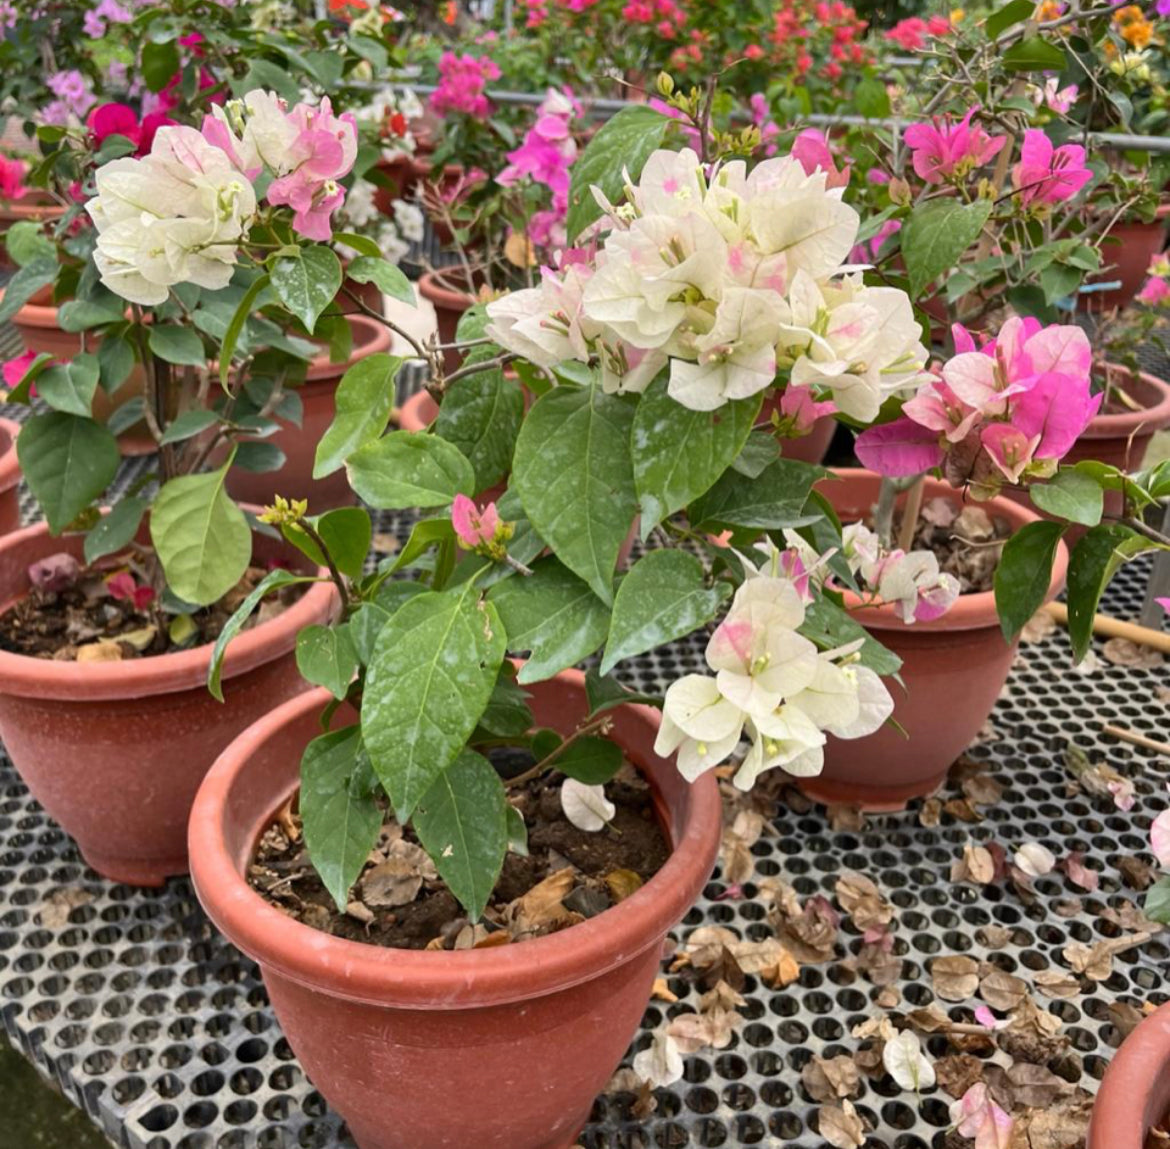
[462,824]
[622,144]
[773,500]
[936,234]
[189,424]
[665,596]
[326,657]
[346,533]
[27,281]
[404,469]
[339,810]
[1070,495]
[426,533]
[593,761]
[1010,13]
[432,674]
[388,278]
[679,453]
[179,345]
[1023,574]
[237,323]
[273,581]
[115,530]
[307,284]
[362,403]
[554,615]
[517,832]
[81,314]
[830,626]
[1093,562]
[367,622]
[1157,903]
[1034,54]
[68,461]
[481,415]
[508,714]
[202,538]
[575,478]
[70,387]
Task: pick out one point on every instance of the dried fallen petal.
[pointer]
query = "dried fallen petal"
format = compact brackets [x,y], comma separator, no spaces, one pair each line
[1034,859]
[841,1126]
[661,1063]
[906,1063]
[955,977]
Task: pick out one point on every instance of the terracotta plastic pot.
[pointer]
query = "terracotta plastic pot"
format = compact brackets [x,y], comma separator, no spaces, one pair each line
[402,173]
[1135,1092]
[9,477]
[503,1048]
[115,751]
[35,207]
[1138,245]
[41,333]
[1122,438]
[449,308]
[954,668]
[299,444]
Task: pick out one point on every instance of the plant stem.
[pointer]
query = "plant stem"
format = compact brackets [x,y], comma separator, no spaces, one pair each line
[600,723]
[334,573]
[910,513]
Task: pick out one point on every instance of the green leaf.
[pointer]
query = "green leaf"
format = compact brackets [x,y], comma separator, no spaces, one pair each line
[362,404]
[326,657]
[664,596]
[508,714]
[26,242]
[115,362]
[362,244]
[1034,54]
[679,453]
[517,832]
[1023,574]
[404,469]
[575,478]
[346,533]
[774,500]
[872,99]
[68,461]
[307,284]
[116,529]
[124,417]
[339,811]
[593,761]
[830,626]
[237,323]
[1070,495]
[553,614]
[201,536]
[432,674]
[604,692]
[426,533]
[1094,561]
[259,458]
[1058,280]
[385,275]
[1157,903]
[1011,13]
[623,143]
[462,823]
[272,581]
[366,624]
[936,234]
[27,281]
[81,314]
[159,63]
[481,416]
[267,74]
[189,424]
[70,387]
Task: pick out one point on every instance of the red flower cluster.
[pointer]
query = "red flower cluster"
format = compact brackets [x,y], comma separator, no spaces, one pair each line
[914,32]
[827,34]
[667,16]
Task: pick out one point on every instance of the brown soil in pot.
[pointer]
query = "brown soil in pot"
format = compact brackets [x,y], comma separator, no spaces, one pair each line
[583,873]
[967,546]
[61,624]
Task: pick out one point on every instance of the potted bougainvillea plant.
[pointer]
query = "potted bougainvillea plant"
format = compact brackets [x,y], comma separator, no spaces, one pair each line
[458,844]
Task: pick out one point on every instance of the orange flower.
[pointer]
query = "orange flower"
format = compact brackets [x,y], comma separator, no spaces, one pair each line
[1133,26]
[1049,10]
[342,5]
[450,12]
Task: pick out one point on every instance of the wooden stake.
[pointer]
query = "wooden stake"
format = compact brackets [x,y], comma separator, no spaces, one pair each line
[1137,739]
[1115,628]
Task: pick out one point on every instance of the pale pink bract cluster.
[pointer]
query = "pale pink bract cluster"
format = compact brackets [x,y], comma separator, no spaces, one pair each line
[1046,174]
[1155,291]
[914,33]
[909,580]
[12,173]
[1011,408]
[462,80]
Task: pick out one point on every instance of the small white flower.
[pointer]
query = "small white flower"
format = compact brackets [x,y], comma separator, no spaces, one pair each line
[906,1063]
[659,1064]
[1034,859]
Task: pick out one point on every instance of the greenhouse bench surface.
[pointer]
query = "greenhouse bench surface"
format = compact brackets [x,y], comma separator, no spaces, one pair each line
[147,1018]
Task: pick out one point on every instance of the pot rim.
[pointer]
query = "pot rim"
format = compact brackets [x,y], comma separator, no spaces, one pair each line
[1145,422]
[970,611]
[9,464]
[31,314]
[430,287]
[425,979]
[1120,1110]
[28,677]
[410,413]
[369,338]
